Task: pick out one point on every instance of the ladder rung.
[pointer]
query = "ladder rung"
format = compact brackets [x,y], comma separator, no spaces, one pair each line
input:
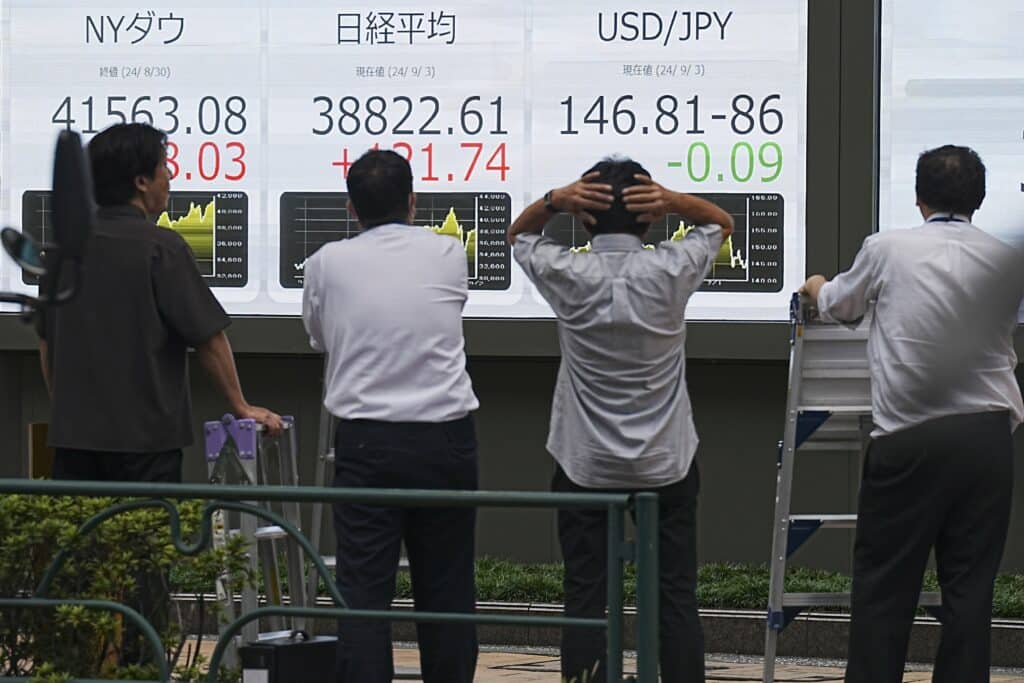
[843,600]
[816,445]
[828,521]
[839,410]
[828,332]
[270,533]
[331,562]
[273,635]
[834,371]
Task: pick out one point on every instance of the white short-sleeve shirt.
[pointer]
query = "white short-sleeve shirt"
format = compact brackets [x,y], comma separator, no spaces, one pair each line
[386,306]
[946,298]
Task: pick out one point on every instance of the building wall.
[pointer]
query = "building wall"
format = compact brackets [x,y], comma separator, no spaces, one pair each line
[738,409]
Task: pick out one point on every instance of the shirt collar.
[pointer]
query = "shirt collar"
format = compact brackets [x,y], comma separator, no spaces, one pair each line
[383,227]
[948,218]
[616,241]
[120,211]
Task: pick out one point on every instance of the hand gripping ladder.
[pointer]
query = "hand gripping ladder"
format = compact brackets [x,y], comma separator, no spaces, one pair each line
[828,408]
[237,452]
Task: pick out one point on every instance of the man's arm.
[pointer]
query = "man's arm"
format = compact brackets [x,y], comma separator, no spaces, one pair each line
[219,362]
[845,298]
[578,198]
[311,305]
[653,202]
[44,365]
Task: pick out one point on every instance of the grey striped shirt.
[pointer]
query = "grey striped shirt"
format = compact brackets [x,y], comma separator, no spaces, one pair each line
[621,414]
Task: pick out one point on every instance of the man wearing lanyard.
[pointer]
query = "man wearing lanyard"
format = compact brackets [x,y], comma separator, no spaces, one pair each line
[939,469]
[386,306]
[621,417]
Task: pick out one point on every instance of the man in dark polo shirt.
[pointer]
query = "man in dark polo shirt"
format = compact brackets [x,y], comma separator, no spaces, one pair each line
[115,357]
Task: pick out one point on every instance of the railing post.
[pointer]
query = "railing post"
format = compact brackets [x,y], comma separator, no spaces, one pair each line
[615,559]
[647,587]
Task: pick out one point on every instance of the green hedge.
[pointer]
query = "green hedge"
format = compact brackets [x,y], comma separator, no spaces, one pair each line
[107,563]
[71,641]
[719,586]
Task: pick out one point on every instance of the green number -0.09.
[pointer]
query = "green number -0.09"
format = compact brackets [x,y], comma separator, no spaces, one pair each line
[744,162]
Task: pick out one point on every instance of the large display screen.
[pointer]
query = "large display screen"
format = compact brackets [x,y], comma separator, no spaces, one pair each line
[268,102]
[953,73]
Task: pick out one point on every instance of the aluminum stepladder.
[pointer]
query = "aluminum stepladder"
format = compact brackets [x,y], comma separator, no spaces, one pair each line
[324,477]
[828,409]
[238,452]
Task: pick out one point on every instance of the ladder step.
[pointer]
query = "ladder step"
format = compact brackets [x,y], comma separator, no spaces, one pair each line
[845,446]
[837,410]
[274,635]
[828,332]
[331,562]
[834,372]
[270,533]
[843,600]
[828,521]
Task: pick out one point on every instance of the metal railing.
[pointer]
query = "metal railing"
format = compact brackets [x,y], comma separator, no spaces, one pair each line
[644,552]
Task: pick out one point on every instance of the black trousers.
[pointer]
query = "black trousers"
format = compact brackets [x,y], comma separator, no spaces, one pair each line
[153,598]
[583,535]
[83,465]
[439,542]
[945,484]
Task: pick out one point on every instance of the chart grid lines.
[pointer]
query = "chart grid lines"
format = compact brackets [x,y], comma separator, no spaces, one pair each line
[758,223]
[309,220]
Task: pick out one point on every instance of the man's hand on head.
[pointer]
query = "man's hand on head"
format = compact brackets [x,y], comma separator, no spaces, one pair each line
[648,199]
[582,197]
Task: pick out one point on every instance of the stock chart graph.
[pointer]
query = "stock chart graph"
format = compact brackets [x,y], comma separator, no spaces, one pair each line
[749,260]
[311,219]
[213,224]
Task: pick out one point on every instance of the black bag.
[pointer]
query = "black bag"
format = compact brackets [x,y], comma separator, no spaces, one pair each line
[295,659]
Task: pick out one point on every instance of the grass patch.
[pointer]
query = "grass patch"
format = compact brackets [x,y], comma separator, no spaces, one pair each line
[719,586]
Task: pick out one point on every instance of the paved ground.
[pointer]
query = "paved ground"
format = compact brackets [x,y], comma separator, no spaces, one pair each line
[497,666]
[542,666]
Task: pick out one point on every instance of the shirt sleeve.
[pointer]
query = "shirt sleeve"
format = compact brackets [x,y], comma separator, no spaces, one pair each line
[690,259]
[311,304]
[846,297]
[545,262]
[183,298]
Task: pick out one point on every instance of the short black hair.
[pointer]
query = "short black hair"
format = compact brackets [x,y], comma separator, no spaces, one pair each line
[379,185]
[952,179]
[121,153]
[619,172]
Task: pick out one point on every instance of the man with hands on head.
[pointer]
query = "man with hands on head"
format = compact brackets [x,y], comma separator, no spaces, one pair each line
[621,417]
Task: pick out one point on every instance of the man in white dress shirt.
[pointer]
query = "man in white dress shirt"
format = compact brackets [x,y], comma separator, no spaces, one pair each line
[945,402]
[386,306]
